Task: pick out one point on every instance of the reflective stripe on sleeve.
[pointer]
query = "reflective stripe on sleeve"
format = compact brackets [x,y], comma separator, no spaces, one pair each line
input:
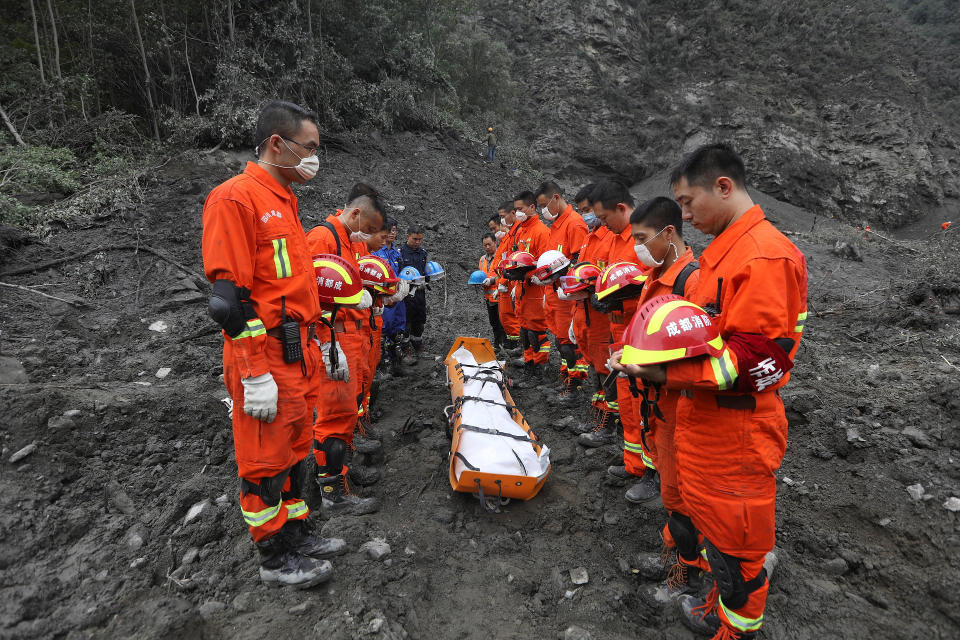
[801,321]
[281,260]
[723,371]
[254,328]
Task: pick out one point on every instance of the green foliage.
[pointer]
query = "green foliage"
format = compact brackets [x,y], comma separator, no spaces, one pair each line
[37,169]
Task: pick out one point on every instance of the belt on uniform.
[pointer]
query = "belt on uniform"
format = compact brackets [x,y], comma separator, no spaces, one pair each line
[342,326]
[744,401]
[277,332]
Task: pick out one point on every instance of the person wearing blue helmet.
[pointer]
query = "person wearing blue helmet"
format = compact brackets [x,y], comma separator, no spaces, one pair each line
[413,255]
[490,293]
[394,317]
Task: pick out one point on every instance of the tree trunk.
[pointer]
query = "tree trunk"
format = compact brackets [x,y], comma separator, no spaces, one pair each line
[146,72]
[56,41]
[36,38]
[6,121]
[186,55]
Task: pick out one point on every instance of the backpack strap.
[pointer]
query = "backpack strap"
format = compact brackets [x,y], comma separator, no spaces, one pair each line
[336,236]
[680,284]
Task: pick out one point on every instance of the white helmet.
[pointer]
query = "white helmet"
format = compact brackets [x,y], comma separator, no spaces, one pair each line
[550,266]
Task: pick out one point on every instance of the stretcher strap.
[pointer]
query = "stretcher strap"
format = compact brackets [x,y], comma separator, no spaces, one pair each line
[461,399]
[465,462]
[496,432]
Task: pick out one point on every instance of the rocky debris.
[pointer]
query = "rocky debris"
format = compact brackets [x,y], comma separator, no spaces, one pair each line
[579,576]
[23,453]
[136,536]
[847,251]
[211,608]
[915,491]
[12,372]
[376,549]
[196,511]
[159,326]
[952,504]
[575,633]
[190,556]
[835,567]
[918,437]
[118,498]
[163,372]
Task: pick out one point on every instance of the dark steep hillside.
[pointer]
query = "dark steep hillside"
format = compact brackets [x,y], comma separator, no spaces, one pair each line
[835,107]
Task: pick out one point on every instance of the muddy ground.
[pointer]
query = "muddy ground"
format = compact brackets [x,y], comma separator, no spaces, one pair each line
[94,538]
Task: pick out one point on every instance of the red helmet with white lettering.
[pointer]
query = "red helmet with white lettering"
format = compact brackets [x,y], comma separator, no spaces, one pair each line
[620,281]
[579,281]
[668,328]
[377,275]
[338,281]
[517,265]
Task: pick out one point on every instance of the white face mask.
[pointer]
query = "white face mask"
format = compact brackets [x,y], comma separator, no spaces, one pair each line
[503,222]
[549,217]
[644,255]
[500,234]
[307,167]
[521,216]
[359,236]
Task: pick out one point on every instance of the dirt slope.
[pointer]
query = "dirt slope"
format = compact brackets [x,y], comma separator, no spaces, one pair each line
[93,539]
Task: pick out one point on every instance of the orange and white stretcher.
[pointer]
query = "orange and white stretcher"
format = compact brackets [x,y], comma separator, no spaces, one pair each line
[494,452]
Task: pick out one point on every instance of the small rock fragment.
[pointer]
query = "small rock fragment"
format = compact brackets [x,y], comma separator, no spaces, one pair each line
[299,608]
[209,609]
[835,567]
[190,556]
[159,326]
[915,491]
[884,522]
[770,562]
[194,512]
[142,560]
[163,372]
[243,601]
[117,497]
[917,437]
[576,633]
[375,549]
[952,504]
[23,453]
[136,536]
[579,576]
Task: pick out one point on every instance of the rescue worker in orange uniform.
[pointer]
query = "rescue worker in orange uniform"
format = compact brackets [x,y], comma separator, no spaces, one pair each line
[590,327]
[567,234]
[505,298]
[532,236]
[613,204]
[731,430]
[256,255]
[344,235]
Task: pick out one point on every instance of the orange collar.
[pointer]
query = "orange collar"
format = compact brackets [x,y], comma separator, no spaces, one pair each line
[729,237]
[342,230]
[261,175]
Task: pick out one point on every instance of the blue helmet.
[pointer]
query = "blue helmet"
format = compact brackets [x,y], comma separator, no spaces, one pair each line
[411,275]
[477,277]
[435,271]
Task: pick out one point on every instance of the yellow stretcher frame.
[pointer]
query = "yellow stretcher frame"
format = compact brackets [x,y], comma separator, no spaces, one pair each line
[483,484]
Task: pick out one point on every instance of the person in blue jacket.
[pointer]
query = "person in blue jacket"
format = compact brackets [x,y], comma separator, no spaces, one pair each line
[413,255]
[395,317]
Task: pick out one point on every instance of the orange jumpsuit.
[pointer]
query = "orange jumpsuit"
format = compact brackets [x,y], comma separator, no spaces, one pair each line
[373,332]
[341,401]
[621,250]
[566,235]
[252,237]
[656,449]
[508,312]
[533,237]
[590,327]
[728,445]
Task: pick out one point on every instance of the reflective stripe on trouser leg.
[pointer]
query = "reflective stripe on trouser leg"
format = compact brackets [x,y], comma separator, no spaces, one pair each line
[540,346]
[749,617]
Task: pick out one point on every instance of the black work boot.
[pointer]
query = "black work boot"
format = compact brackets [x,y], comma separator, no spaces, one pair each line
[337,498]
[363,475]
[280,565]
[303,539]
[604,433]
[646,489]
[619,472]
[396,361]
[697,616]
[365,444]
[532,376]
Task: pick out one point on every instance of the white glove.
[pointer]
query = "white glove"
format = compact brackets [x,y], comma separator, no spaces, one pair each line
[378,311]
[571,335]
[562,294]
[260,397]
[502,288]
[342,372]
[495,295]
[535,280]
[489,281]
[366,300]
[513,295]
[403,288]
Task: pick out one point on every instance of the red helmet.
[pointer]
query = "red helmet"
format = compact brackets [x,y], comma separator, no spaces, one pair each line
[619,281]
[377,274]
[517,265]
[338,281]
[668,328]
[579,280]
